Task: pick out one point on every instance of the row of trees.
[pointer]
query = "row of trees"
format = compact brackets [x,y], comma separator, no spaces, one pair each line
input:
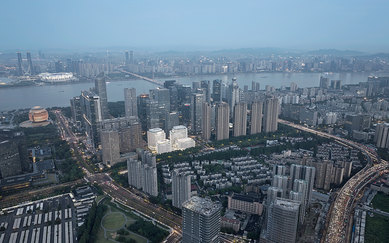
[88,231]
[148,230]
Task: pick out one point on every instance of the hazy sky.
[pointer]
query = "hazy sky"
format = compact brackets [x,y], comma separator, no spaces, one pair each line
[197,24]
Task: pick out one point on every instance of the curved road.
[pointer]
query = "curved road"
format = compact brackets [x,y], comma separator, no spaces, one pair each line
[344,203]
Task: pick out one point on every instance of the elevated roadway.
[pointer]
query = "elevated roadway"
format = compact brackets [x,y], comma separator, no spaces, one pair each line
[337,230]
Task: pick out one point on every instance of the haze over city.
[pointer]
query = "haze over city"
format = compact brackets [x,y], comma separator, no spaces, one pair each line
[194,121]
[195,25]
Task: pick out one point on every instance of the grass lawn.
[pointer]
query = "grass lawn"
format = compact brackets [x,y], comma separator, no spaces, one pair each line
[114,221]
[377,229]
[381,201]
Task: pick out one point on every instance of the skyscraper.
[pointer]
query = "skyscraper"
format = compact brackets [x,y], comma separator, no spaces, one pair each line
[206,87]
[132,61]
[201,221]
[130,102]
[217,90]
[29,62]
[101,90]
[282,221]
[270,115]
[91,114]
[127,61]
[172,119]
[143,108]
[234,95]
[181,188]
[256,117]
[206,121]
[110,147]
[135,173]
[159,107]
[324,83]
[240,119]
[75,108]
[196,112]
[222,121]
[20,68]
[381,137]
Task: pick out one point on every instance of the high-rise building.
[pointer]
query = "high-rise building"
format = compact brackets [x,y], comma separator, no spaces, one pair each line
[233,95]
[130,102]
[270,115]
[273,193]
[255,86]
[279,170]
[336,84]
[173,88]
[101,91]
[306,173]
[143,108]
[110,147]
[153,136]
[132,61]
[282,221]
[206,87]
[293,87]
[149,180]
[143,174]
[217,90]
[324,83]
[20,67]
[196,112]
[130,137]
[75,108]
[172,120]
[127,58]
[206,121]
[256,117]
[281,182]
[181,188]
[129,130]
[240,119]
[29,62]
[222,121]
[135,173]
[356,122]
[300,189]
[201,221]
[381,137]
[91,114]
[159,107]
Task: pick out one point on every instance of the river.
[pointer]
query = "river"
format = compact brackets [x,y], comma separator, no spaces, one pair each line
[59,95]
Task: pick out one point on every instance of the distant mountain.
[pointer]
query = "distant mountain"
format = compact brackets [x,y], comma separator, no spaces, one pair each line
[335,52]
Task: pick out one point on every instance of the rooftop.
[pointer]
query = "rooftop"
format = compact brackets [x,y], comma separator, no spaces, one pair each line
[201,205]
[287,204]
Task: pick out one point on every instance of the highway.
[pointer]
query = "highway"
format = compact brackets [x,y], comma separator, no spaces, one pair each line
[340,214]
[130,198]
